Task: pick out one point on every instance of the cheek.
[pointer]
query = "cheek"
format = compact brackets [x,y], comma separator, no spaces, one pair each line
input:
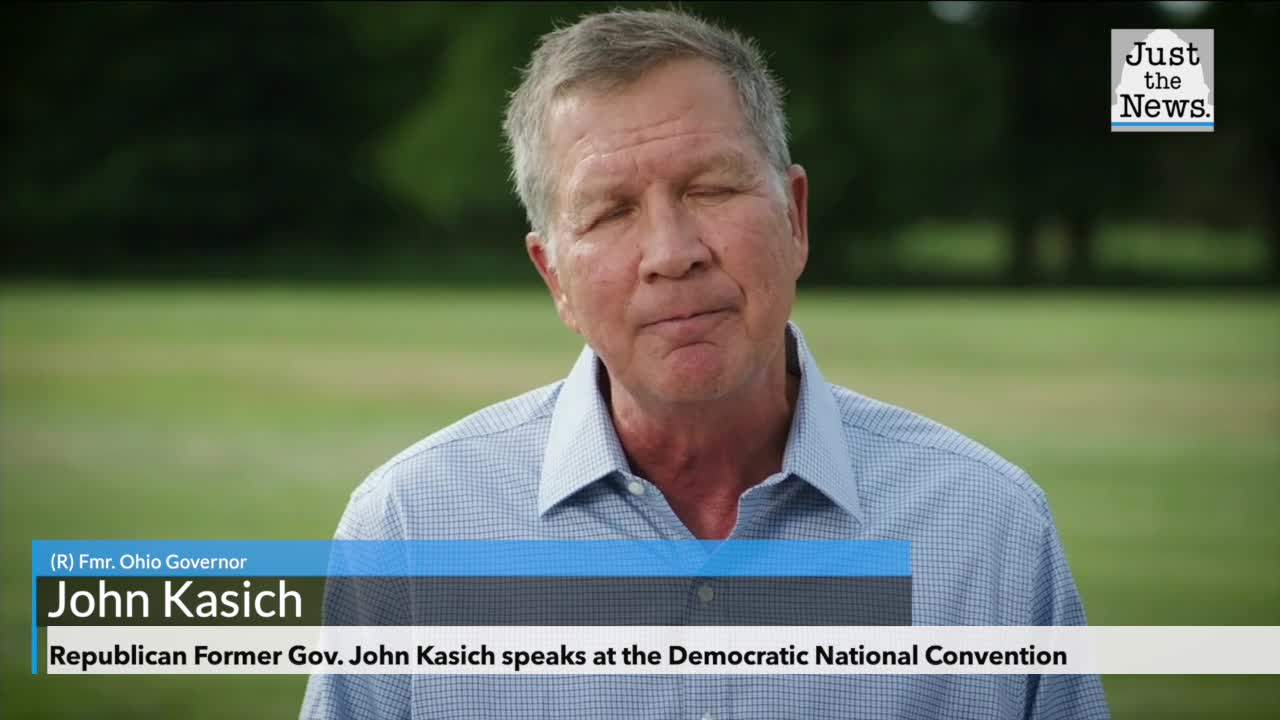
[600,288]
[756,250]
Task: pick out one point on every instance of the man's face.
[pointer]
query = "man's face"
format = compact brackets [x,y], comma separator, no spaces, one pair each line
[677,248]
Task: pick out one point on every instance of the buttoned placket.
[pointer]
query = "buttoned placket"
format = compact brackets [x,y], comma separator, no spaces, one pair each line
[701,694]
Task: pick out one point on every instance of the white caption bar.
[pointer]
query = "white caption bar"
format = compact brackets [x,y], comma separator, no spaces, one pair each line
[482,650]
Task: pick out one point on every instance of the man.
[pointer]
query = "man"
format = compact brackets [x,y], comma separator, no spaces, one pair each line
[669,225]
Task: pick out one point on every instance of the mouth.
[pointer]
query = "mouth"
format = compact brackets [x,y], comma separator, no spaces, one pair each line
[690,325]
[689,316]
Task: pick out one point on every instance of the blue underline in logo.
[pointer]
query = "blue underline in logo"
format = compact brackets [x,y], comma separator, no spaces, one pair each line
[1162,124]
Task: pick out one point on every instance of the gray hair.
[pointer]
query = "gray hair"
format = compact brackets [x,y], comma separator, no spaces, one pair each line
[614,49]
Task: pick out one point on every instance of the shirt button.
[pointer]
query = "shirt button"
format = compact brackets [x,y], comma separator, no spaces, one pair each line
[635,487]
[707,715]
[706,594]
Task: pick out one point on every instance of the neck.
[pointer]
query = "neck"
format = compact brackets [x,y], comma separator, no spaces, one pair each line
[703,457]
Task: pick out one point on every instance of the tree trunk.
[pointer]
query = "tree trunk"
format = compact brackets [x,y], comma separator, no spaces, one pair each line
[1081,229]
[1022,249]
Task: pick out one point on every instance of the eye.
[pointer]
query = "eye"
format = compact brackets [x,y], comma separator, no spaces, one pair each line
[714,192]
[616,213]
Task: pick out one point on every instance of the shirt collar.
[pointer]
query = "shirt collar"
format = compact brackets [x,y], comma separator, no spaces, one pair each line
[583,446]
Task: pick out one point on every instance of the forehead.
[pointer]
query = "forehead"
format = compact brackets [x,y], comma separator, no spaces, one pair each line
[682,112]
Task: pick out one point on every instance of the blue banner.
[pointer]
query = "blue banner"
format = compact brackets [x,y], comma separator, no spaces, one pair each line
[471,558]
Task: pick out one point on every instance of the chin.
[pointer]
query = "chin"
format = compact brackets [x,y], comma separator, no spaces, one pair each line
[690,377]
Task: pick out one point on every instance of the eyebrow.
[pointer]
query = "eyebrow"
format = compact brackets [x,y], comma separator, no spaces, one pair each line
[729,161]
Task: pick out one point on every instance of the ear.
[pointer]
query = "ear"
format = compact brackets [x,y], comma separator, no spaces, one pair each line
[798,214]
[540,254]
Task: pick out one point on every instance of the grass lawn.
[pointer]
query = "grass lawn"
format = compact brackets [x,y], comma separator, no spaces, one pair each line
[1151,422]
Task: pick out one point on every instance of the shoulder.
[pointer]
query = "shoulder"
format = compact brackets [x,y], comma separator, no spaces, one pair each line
[482,428]
[508,431]
[909,452]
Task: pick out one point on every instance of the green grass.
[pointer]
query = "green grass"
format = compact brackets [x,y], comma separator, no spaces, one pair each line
[1152,424]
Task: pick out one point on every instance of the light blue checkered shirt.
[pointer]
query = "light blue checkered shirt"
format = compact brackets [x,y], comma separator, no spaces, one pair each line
[548,465]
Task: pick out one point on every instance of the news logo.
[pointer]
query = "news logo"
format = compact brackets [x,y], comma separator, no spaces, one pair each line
[1162,81]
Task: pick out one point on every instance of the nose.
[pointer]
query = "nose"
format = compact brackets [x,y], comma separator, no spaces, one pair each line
[673,246]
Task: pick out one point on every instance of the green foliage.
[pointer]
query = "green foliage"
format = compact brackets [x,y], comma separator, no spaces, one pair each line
[443,131]
[160,139]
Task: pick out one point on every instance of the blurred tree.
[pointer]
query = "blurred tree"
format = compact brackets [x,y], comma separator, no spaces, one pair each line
[1245,44]
[158,131]
[1063,164]
[1061,160]
[152,138]
[445,155]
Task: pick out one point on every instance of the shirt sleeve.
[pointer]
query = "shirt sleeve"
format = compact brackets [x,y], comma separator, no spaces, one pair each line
[1056,601]
[370,515]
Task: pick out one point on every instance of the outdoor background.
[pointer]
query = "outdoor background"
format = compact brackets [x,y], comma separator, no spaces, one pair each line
[253,250]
